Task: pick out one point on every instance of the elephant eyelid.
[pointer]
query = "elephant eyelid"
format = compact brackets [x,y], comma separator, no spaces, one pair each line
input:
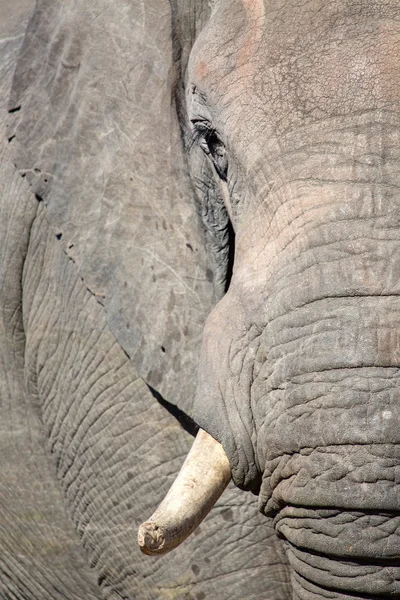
[200,131]
[204,135]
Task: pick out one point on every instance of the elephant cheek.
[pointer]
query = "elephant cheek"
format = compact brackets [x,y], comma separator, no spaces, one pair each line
[222,404]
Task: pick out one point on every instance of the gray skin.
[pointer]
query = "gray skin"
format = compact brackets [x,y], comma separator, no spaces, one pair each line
[149,132]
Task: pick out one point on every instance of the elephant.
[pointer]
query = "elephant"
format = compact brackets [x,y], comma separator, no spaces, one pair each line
[202,231]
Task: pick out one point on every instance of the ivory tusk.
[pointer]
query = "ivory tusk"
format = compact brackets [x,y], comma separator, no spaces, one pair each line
[202,479]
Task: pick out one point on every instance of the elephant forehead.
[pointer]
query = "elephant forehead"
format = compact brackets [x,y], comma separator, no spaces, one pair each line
[228,43]
[272,63]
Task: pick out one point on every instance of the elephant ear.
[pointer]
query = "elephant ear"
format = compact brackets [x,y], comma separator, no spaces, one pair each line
[98,138]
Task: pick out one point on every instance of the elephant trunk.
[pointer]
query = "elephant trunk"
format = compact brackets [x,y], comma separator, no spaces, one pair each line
[341,553]
[326,395]
[204,476]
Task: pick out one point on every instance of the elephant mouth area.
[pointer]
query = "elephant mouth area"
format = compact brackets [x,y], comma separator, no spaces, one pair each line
[360,477]
[337,508]
[318,574]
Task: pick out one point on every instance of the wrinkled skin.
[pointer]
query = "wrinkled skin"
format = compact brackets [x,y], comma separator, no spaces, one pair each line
[288,116]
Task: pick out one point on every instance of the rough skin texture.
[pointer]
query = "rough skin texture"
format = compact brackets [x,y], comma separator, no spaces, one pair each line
[180,150]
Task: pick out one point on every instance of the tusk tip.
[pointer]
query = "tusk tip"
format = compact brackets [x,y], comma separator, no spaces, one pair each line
[151,539]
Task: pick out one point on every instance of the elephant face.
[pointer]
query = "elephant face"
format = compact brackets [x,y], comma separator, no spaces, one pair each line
[296,112]
[307,185]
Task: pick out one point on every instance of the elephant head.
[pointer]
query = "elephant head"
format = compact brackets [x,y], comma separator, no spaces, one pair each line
[293,114]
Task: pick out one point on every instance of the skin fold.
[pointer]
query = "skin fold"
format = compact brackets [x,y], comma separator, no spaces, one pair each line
[213,228]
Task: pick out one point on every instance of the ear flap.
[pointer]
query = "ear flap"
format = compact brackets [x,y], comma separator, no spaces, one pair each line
[99,142]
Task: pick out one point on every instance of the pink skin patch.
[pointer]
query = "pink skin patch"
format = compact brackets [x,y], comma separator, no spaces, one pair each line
[201,69]
[255,14]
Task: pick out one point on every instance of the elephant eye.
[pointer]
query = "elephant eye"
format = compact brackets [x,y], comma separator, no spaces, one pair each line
[209,141]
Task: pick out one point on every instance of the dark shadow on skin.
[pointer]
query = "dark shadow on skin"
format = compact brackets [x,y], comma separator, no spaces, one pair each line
[231,255]
[185,421]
